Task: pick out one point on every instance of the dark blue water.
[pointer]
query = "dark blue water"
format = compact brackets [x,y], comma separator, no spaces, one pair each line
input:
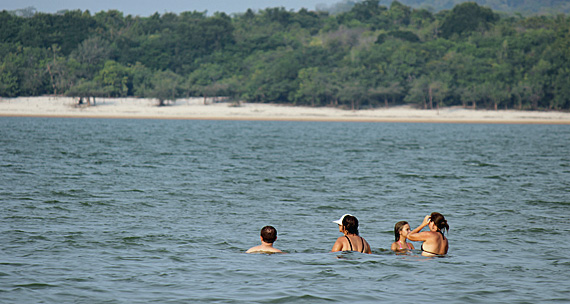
[142,211]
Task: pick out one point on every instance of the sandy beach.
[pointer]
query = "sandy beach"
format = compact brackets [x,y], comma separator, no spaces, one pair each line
[194,108]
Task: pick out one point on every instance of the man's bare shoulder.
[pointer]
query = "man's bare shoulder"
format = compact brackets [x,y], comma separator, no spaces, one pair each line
[263,249]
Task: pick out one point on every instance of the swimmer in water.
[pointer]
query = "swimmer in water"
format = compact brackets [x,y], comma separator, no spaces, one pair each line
[350,241]
[401,231]
[268,237]
[434,241]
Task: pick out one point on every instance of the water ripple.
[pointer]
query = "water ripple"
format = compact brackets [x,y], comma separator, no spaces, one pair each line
[133,214]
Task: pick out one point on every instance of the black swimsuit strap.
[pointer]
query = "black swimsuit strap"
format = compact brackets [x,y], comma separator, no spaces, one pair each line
[422,248]
[361,238]
[346,236]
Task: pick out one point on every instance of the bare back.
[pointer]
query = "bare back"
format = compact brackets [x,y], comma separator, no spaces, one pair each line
[263,249]
[435,243]
[351,243]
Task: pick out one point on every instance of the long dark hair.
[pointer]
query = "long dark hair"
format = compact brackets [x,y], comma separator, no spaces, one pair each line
[439,220]
[397,228]
[350,223]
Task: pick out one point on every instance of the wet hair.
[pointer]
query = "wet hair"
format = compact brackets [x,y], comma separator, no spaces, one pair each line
[269,234]
[397,228]
[350,223]
[439,220]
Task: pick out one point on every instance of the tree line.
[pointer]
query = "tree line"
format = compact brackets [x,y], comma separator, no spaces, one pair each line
[519,7]
[370,56]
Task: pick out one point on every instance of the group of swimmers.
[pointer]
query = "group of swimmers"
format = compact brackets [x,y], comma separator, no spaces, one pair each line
[434,241]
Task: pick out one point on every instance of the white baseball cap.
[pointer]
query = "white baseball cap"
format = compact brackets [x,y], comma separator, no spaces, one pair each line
[339,221]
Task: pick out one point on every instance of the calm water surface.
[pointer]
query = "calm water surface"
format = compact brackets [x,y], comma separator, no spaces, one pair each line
[142,211]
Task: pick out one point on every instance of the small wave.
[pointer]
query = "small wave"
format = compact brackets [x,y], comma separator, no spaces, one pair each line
[35,285]
[495,177]
[144,166]
[411,147]
[38,237]
[24,172]
[291,200]
[24,198]
[447,177]
[404,175]
[328,273]
[548,203]
[479,164]
[366,178]
[130,258]
[327,207]
[539,230]
[301,298]
[69,193]
[533,230]
[132,190]
[60,208]
[97,203]
[131,238]
[14,264]
[561,263]
[177,259]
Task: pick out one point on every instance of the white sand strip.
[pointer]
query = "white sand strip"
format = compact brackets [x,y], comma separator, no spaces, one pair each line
[194,108]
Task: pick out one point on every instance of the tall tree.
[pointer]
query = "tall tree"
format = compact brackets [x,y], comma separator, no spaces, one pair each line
[467,17]
[165,86]
[311,86]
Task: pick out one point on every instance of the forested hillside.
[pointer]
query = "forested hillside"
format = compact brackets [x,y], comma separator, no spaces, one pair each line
[524,7]
[370,56]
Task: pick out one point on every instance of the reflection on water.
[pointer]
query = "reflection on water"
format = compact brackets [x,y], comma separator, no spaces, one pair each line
[127,211]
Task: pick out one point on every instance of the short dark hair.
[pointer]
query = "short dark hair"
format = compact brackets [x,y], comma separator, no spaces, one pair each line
[269,234]
[350,223]
[397,228]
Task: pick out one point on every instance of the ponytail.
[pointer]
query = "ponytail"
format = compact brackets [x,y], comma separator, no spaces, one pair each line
[439,220]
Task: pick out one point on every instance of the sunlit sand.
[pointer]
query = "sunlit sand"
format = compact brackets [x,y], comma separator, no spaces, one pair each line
[194,108]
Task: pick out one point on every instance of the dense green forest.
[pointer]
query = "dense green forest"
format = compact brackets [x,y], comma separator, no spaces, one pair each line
[369,56]
[522,7]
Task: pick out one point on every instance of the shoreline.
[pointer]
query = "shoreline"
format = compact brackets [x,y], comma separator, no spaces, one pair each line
[194,109]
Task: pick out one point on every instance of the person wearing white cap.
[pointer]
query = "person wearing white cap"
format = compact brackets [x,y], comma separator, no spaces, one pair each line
[350,241]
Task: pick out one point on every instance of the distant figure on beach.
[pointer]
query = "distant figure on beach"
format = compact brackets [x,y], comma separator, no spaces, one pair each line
[268,237]
[401,231]
[350,241]
[434,241]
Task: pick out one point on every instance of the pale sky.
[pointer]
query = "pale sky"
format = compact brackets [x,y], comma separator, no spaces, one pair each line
[148,7]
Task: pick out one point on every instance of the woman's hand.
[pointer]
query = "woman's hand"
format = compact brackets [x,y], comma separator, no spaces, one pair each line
[426,221]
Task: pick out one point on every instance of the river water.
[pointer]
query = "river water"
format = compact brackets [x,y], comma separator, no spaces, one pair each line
[161,211]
